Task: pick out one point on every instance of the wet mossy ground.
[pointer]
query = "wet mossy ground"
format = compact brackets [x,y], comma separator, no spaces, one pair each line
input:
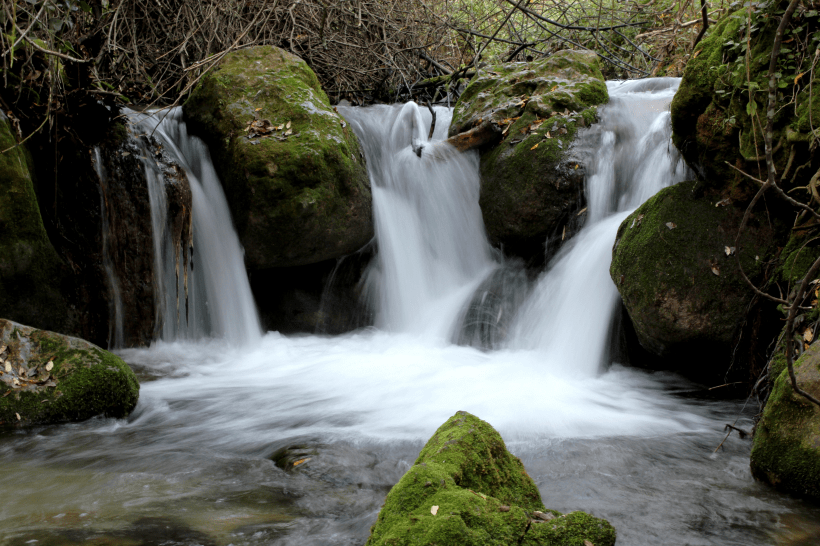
[786,450]
[531,186]
[296,199]
[84,380]
[682,290]
[465,488]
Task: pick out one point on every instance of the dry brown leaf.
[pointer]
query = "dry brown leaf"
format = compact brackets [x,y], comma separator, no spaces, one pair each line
[671,225]
[3,348]
[258,109]
[18,416]
[723,202]
[798,77]
[716,269]
[588,543]
[49,366]
[808,335]
[8,367]
[729,250]
[434,510]
[301,461]
[548,135]
[287,125]
[534,147]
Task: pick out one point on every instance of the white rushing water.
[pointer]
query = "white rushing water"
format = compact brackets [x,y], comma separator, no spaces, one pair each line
[211,295]
[404,379]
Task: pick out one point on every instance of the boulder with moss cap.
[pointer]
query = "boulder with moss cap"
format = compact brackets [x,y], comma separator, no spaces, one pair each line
[674,264]
[48,378]
[786,449]
[531,183]
[465,488]
[292,168]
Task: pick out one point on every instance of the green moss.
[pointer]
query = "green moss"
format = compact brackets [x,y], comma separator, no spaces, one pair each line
[786,449]
[295,200]
[88,380]
[480,494]
[667,277]
[567,80]
[796,258]
[30,270]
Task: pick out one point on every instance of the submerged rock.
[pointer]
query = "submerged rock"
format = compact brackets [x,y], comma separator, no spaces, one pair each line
[786,451]
[49,378]
[531,183]
[293,171]
[674,264]
[465,488]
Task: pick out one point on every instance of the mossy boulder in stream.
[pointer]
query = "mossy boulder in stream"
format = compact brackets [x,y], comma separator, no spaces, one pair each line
[674,264]
[465,488]
[293,170]
[31,272]
[786,451]
[531,183]
[50,378]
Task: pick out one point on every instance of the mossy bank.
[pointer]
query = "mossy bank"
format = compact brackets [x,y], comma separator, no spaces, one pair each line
[465,488]
[531,184]
[48,378]
[293,171]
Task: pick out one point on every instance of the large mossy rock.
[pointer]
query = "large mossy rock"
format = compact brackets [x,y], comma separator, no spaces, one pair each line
[674,264]
[299,194]
[786,450]
[82,380]
[31,273]
[465,488]
[712,112]
[529,193]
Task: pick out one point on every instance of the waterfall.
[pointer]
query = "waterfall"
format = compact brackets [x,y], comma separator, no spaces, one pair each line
[569,314]
[433,250]
[435,271]
[202,286]
[116,337]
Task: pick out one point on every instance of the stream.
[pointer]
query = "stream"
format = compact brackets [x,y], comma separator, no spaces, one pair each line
[221,402]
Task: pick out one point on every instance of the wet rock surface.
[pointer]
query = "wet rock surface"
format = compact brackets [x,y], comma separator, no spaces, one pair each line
[674,264]
[49,378]
[293,171]
[531,182]
[466,488]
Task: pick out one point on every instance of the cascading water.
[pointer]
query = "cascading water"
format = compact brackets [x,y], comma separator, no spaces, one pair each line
[569,314]
[432,246]
[193,463]
[202,290]
[116,337]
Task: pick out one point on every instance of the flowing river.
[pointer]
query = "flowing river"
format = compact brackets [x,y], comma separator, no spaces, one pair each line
[220,402]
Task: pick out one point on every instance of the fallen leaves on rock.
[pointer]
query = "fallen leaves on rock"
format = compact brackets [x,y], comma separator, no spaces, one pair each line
[434,510]
[729,250]
[671,225]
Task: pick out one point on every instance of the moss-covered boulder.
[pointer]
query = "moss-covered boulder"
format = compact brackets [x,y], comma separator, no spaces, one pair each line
[31,272]
[723,90]
[531,186]
[465,488]
[674,264]
[293,171]
[50,378]
[786,450]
